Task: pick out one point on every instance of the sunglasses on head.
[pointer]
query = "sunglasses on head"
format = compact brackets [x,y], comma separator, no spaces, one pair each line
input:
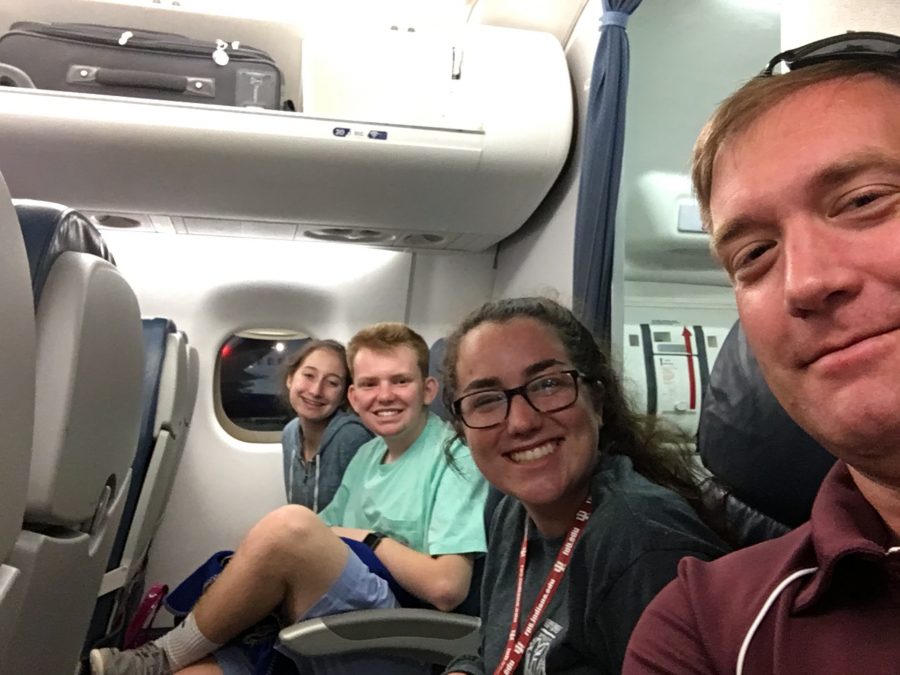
[867,45]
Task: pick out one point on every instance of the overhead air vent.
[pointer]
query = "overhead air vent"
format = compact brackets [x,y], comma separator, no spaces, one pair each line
[422,239]
[141,222]
[117,222]
[352,235]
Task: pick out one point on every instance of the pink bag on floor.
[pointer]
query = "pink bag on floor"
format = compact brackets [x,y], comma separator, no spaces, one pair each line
[137,632]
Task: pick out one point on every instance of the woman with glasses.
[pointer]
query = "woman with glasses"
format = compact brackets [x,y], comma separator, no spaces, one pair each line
[597,513]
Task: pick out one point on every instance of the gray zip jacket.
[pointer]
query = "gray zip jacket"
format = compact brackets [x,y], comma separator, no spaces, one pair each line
[313,484]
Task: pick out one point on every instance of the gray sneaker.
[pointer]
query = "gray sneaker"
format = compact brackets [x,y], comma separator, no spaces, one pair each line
[148,659]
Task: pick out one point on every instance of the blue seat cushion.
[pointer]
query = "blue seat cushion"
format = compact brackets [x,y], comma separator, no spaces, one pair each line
[749,442]
[51,229]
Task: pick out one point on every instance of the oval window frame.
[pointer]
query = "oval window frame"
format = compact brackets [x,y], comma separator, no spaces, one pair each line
[227,422]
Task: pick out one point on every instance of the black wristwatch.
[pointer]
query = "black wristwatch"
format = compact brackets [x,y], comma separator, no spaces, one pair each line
[373,539]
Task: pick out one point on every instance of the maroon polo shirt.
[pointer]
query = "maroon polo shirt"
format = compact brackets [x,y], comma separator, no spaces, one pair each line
[824,598]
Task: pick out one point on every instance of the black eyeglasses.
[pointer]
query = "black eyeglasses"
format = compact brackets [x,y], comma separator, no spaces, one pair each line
[845,46]
[546,394]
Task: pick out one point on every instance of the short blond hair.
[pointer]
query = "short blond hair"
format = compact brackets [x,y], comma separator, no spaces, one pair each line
[383,337]
[757,97]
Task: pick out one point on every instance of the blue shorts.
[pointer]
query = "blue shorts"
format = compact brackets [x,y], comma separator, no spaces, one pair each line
[356,588]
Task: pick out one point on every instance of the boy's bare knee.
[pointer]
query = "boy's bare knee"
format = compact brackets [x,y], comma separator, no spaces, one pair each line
[290,517]
[286,531]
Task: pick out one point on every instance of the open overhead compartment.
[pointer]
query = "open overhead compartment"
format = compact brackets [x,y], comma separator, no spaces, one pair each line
[458,158]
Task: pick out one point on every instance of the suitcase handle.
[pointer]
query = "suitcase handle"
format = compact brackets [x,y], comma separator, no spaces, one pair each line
[142,79]
[10,76]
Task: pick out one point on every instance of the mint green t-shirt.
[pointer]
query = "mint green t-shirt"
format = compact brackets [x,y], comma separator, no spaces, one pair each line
[418,500]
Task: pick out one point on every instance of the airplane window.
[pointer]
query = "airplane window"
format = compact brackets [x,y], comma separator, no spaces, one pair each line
[250,383]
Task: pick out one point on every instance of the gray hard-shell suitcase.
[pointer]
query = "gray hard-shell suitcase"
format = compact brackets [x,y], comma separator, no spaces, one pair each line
[96,59]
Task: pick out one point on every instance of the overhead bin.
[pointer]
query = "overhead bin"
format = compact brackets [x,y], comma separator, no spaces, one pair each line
[460,171]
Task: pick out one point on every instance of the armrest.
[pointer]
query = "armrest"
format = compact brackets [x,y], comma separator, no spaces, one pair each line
[740,523]
[421,634]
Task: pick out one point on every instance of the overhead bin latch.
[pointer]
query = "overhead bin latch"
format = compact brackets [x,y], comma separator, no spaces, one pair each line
[456,72]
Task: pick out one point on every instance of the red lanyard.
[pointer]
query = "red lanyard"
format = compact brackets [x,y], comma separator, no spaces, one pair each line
[517,643]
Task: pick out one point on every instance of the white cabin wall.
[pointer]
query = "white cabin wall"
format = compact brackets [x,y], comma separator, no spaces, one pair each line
[538,258]
[803,21]
[445,288]
[215,286]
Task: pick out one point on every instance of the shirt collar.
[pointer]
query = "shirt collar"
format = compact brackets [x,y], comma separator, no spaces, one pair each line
[843,523]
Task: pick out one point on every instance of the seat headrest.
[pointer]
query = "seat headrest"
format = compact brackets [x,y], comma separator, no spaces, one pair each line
[435,360]
[747,440]
[89,357]
[51,229]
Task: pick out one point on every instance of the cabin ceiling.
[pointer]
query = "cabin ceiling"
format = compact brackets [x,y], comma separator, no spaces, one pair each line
[557,17]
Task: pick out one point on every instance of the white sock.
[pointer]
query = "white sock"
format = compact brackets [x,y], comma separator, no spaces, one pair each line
[185,644]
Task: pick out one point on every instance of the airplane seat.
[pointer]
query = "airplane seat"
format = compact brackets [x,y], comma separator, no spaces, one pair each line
[435,361]
[764,469]
[173,415]
[169,391]
[17,356]
[174,409]
[86,410]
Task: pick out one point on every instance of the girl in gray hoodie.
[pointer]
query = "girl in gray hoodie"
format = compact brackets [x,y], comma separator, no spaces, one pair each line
[319,443]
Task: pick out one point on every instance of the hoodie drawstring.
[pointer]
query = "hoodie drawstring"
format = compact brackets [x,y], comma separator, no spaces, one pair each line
[293,471]
[316,486]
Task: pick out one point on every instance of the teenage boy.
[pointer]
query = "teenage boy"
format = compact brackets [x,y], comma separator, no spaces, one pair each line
[412,496]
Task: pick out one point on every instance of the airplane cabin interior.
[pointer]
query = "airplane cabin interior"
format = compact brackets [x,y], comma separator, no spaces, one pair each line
[381,161]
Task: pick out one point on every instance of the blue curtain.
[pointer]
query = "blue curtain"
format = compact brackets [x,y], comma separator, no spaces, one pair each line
[601,166]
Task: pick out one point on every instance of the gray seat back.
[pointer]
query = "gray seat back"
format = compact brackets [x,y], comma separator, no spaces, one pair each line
[87,409]
[17,337]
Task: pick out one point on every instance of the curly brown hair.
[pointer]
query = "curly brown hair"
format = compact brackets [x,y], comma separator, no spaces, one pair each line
[659,451]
